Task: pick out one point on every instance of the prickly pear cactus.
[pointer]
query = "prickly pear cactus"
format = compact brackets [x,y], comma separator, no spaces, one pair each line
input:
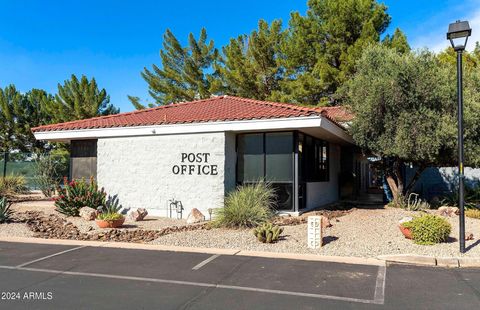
[267,233]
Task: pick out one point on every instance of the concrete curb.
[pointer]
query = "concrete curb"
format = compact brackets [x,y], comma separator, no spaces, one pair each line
[155,247]
[450,262]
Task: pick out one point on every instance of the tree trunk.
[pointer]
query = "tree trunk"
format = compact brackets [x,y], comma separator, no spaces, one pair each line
[397,170]
[393,186]
[415,178]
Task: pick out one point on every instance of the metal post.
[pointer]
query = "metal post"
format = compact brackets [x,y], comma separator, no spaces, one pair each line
[5,158]
[461,176]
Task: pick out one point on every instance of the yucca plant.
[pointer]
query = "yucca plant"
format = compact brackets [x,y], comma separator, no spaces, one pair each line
[5,211]
[267,233]
[78,194]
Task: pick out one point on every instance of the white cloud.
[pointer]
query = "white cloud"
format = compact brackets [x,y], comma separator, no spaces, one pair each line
[437,40]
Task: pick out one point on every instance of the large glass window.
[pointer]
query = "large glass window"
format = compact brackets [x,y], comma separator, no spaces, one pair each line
[268,156]
[279,156]
[251,162]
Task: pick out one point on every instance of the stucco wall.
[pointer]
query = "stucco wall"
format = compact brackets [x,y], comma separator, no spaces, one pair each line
[322,193]
[139,170]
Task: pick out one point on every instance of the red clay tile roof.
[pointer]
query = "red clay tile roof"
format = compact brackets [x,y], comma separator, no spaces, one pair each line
[222,108]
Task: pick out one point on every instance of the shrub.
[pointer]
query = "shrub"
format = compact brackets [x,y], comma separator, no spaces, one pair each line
[267,233]
[5,211]
[429,229]
[12,185]
[473,213]
[247,206]
[413,203]
[48,171]
[78,194]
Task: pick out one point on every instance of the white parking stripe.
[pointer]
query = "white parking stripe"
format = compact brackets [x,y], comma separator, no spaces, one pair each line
[380,285]
[200,284]
[49,256]
[203,263]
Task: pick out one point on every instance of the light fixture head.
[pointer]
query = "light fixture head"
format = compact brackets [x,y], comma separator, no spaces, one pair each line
[458,34]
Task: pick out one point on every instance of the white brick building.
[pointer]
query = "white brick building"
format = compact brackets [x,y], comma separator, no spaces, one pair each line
[196,152]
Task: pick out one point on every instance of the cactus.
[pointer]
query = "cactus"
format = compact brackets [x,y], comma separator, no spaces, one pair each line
[267,233]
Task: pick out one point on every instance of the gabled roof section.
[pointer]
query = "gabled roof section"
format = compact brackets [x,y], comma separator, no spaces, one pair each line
[215,109]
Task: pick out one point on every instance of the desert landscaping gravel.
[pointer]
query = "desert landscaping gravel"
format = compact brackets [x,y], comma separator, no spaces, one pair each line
[359,233]
[15,230]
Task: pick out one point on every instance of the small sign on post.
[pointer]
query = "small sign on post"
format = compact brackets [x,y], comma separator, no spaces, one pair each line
[314,233]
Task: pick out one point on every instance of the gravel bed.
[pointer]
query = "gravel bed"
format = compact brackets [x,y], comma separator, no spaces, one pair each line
[361,233]
[149,223]
[47,207]
[15,230]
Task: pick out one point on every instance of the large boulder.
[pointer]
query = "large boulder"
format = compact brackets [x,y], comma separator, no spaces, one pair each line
[88,214]
[138,215]
[195,216]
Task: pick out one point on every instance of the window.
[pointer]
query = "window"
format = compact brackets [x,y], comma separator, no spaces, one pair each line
[268,156]
[251,162]
[313,156]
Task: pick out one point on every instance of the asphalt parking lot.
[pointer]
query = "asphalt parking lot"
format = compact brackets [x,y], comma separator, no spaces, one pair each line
[45,276]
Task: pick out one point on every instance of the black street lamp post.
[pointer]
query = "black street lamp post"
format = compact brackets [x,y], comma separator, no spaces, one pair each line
[458,34]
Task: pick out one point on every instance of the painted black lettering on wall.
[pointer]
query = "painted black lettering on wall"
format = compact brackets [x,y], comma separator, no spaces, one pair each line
[195,164]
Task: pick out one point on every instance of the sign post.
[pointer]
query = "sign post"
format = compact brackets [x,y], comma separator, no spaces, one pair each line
[314,233]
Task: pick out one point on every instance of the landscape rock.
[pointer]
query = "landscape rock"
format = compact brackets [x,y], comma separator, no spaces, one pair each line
[195,216]
[448,211]
[138,215]
[468,236]
[326,222]
[88,214]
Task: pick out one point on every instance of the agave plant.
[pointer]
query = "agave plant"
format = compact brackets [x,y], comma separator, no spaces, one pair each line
[111,205]
[5,211]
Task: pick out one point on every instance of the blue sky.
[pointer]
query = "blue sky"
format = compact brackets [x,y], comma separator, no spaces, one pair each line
[43,42]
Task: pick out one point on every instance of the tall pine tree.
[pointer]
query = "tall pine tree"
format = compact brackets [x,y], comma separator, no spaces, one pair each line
[321,47]
[249,66]
[79,99]
[186,72]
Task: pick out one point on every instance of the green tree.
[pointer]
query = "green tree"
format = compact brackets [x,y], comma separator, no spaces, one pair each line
[405,111]
[398,41]
[321,48]
[11,105]
[186,72]
[249,66]
[18,114]
[79,99]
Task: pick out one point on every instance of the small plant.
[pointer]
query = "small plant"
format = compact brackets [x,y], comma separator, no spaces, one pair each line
[247,206]
[5,211]
[78,194]
[414,203]
[109,216]
[267,233]
[429,229]
[111,205]
[12,185]
[473,213]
